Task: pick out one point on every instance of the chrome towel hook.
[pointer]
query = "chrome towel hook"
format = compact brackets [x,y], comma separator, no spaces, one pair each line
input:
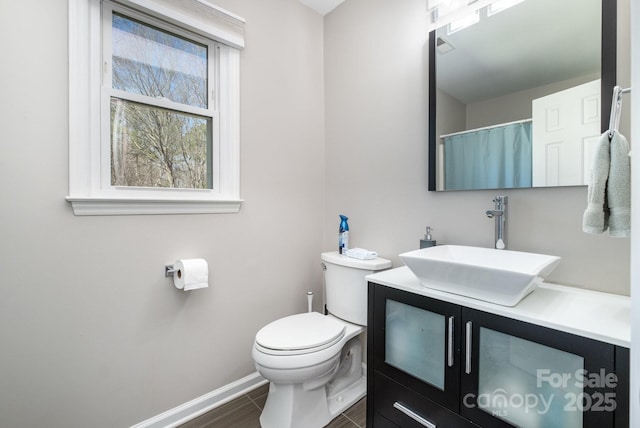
[616,108]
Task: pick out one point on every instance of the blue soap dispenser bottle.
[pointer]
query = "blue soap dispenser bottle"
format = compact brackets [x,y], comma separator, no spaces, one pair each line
[343,236]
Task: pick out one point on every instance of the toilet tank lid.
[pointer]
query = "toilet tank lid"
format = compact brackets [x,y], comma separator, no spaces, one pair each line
[340,259]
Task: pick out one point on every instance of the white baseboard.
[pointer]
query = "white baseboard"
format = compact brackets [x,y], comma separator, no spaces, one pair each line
[198,406]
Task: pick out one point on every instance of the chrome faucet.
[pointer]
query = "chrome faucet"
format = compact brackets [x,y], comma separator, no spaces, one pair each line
[499,214]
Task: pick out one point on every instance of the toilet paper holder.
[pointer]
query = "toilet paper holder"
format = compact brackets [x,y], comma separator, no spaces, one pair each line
[169,270]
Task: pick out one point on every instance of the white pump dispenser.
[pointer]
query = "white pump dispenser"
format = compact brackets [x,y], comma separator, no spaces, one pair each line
[428,241]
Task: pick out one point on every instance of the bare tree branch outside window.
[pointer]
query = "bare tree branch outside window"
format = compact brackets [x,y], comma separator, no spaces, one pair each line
[153,146]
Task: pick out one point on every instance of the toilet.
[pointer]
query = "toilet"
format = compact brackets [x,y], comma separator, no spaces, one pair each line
[313,361]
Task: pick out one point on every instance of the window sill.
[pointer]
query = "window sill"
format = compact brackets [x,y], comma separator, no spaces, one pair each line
[123,206]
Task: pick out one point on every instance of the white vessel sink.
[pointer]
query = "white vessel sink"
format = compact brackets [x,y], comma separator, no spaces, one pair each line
[497,276]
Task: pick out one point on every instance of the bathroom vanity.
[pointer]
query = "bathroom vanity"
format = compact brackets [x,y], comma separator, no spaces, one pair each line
[560,358]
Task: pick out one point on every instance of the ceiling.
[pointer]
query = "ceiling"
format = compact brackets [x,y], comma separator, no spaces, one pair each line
[322,6]
[531,44]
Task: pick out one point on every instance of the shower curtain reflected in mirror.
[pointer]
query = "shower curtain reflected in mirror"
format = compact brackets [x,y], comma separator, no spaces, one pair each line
[490,158]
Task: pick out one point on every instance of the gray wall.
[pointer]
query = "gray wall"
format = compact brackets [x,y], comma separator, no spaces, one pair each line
[515,106]
[376,153]
[91,332]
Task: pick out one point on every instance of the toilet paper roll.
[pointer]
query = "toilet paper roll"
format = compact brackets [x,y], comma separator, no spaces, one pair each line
[191,274]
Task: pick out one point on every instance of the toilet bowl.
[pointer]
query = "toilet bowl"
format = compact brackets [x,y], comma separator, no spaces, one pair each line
[314,361]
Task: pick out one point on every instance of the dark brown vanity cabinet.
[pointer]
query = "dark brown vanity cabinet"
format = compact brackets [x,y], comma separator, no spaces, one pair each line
[432,363]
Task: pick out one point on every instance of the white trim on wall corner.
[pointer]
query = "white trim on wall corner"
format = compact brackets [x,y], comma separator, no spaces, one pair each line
[635,216]
[201,405]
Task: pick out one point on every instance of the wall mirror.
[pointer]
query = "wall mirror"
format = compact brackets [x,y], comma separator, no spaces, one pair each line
[518,98]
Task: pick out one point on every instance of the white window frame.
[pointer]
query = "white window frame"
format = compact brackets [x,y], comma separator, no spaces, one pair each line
[90,190]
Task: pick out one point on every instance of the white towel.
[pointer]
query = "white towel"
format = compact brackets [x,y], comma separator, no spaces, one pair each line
[360,253]
[619,188]
[595,218]
[609,193]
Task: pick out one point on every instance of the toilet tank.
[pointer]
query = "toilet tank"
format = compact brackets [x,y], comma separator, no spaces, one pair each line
[346,286]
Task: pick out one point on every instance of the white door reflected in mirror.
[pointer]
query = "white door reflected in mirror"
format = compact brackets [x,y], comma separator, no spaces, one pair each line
[566,125]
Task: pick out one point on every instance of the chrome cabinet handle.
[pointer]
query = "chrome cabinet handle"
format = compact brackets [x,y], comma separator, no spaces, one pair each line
[467,368]
[413,415]
[450,346]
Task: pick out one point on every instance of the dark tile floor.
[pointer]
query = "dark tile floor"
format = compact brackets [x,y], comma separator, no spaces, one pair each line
[244,412]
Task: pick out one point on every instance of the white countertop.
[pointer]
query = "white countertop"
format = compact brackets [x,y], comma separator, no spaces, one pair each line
[592,314]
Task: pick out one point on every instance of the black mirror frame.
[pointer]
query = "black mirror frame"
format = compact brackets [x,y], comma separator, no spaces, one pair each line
[608,71]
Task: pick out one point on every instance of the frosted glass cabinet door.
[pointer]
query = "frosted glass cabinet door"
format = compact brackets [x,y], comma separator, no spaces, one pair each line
[525,375]
[528,384]
[414,342]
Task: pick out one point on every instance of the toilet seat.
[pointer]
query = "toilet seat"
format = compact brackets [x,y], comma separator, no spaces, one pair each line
[299,334]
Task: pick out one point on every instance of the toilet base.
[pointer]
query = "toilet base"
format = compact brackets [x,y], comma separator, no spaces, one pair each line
[348,397]
[303,401]
[289,406]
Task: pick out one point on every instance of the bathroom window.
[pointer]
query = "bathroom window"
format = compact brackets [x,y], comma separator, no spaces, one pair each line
[160,121]
[153,107]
